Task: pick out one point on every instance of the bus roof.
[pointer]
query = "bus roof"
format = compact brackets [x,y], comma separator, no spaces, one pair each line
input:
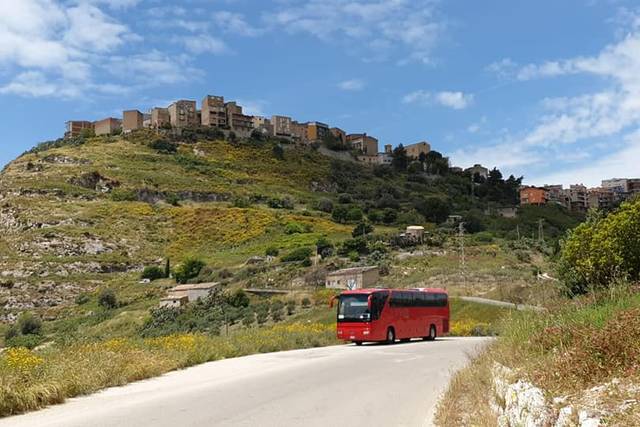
[367,291]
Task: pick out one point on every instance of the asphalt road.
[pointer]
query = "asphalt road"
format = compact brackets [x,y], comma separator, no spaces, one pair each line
[371,385]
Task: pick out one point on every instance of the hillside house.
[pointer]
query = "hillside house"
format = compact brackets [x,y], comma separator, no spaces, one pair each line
[173,301]
[193,292]
[352,278]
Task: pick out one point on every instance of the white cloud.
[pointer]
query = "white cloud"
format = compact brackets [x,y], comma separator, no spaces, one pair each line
[204,44]
[352,85]
[621,163]
[381,28]
[235,23]
[253,107]
[90,29]
[455,100]
[151,69]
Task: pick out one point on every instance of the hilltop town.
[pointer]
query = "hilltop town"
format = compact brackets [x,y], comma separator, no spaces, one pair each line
[229,118]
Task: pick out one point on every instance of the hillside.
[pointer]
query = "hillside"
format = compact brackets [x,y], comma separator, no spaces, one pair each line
[81,215]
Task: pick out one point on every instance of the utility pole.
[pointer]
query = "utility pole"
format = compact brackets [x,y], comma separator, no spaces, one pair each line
[463,261]
[540,231]
[518,231]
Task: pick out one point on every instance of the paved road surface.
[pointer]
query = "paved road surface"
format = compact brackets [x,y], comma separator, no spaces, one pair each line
[371,385]
[503,304]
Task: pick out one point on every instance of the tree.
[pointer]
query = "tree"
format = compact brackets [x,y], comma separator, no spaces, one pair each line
[324,247]
[354,214]
[189,269]
[167,269]
[325,205]
[238,299]
[602,250]
[340,214]
[107,298]
[152,272]
[399,158]
[272,251]
[300,254]
[363,228]
[434,209]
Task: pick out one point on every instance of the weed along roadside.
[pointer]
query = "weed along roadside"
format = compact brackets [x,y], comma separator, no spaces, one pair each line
[32,380]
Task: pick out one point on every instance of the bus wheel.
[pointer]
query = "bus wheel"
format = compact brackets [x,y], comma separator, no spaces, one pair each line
[391,336]
[432,333]
[357,342]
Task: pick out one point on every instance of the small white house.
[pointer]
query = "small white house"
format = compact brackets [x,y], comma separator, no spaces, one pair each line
[193,292]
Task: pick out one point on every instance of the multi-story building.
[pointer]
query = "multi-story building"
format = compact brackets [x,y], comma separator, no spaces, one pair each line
[415,150]
[160,118]
[634,186]
[618,185]
[74,128]
[132,120]
[558,195]
[213,112]
[107,126]
[339,134]
[182,113]
[479,170]
[281,126]
[364,143]
[600,198]
[533,196]
[236,119]
[317,131]
[262,124]
[578,197]
[299,131]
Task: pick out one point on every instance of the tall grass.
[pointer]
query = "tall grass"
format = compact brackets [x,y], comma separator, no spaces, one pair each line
[31,380]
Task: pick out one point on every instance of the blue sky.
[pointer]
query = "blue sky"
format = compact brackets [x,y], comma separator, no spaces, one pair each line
[546,89]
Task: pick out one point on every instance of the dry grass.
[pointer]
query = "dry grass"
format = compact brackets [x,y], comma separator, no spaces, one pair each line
[31,380]
[466,401]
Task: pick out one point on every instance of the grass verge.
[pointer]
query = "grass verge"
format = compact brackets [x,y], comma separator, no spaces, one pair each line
[31,380]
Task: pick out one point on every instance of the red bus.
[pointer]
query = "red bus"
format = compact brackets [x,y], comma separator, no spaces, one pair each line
[385,315]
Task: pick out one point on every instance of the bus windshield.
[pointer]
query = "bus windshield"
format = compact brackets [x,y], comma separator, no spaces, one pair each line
[354,308]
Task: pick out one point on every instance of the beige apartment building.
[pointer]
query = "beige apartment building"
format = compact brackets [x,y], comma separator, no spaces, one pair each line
[182,113]
[263,124]
[74,128]
[281,126]
[366,144]
[236,119]
[317,131]
[414,150]
[299,131]
[160,118]
[213,112]
[132,120]
[600,198]
[107,126]
[352,278]
[339,134]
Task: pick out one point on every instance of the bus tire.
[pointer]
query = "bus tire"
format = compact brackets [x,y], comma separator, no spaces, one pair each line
[391,336]
[432,333]
[357,342]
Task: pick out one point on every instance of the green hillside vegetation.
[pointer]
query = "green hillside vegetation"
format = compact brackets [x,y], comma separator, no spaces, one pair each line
[588,340]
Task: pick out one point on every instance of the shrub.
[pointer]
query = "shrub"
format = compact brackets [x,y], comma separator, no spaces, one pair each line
[272,251]
[354,214]
[225,273]
[357,245]
[163,146]
[306,302]
[11,332]
[82,299]
[297,228]
[325,205]
[28,341]
[173,199]
[362,229]
[107,298]
[189,269]
[241,202]
[278,152]
[324,247]
[248,318]
[291,307]
[122,195]
[28,324]
[238,299]
[345,198]
[483,237]
[152,272]
[299,254]
[340,214]
[603,249]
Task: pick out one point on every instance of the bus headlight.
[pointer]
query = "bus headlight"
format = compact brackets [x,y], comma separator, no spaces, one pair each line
[365,332]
